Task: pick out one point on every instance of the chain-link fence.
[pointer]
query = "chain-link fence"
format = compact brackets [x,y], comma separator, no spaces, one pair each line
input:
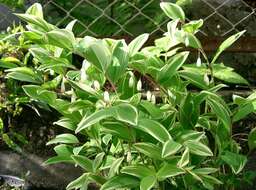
[132,17]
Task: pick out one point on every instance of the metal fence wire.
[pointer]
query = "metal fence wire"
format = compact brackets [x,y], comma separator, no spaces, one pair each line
[132,17]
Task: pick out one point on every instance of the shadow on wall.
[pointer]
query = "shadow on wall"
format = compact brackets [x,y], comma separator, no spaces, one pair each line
[7,18]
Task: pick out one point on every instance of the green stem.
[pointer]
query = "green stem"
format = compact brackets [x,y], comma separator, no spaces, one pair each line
[208,64]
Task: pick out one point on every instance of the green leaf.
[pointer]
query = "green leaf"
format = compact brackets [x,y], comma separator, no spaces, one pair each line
[170,69]
[98,161]
[97,178]
[83,87]
[192,41]
[118,129]
[193,26]
[126,113]
[36,22]
[184,159]
[98,54]
[115,167]
[235,161]
[152,109]
[63,150]
[66,123]
[169,170]
[119,63]
[149,149]
[155,129]
[9,62]
[209,181]
[244,110]
[252,139]
[53,84]
[36,10]
[139,171]
[119,182]
[136,44]
[198,148]
[220,110]
[173,11]
[189,112]
[170,148]
[122,112]
[59,159]
[83,162]
[194,78]
[63,38]
[227,74]
[24,74]
[205,171]
[190,135]
[40,94]
[1,124]
[226,44]
[94,118]
[64,138]
[79,182]
[220,71]
[148,183]
[70,25]
[165,43]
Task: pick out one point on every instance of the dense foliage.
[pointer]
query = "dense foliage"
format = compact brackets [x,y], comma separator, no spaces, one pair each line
[103,17]
[134,122]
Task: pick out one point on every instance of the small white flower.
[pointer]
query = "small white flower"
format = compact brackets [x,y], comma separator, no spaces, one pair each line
[186,41]
[83,75]
[131,81]
[8,29]
[171,95]
[85,65]
[96,85]
[129,157]
[149,95]
[139,85]
[198,62]
[83,70]
[106,96]
[206,79]
[51,72]
[153,99]
[62,86]
[73,96]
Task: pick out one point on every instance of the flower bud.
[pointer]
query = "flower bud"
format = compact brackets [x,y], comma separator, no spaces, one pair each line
[51,72]
[131,81]
[206,79]
[153,99]
[149,95]
[171,95]
[83,70]
[198,62]
[106,97]
[73,96]
[139,85]
[129,157]
[62,86]
[83,75]
[96,85]
[8,29]
[186,41]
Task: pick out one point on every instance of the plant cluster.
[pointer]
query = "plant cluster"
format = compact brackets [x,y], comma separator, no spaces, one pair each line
[13,3]
[12,53]
[133,121]
[90,14]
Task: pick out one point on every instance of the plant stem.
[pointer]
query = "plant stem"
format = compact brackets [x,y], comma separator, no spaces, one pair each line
[209,65]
